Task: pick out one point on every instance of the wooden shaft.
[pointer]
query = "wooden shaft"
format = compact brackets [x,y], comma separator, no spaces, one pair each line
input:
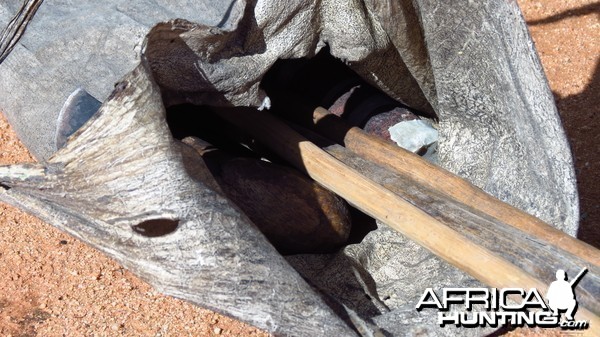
[413,166]
[521,249]
[388,207]
[515,246]
[10,35]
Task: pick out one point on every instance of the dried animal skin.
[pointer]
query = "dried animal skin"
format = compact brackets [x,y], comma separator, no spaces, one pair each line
[471,63]
[144,210]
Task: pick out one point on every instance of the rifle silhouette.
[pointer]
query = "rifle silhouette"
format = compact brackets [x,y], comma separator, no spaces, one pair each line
[578,277]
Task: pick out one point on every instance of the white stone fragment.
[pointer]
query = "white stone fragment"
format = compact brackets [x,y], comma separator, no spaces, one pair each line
[414,135]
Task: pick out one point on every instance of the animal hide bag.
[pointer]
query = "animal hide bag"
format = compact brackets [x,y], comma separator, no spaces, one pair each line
[471,63]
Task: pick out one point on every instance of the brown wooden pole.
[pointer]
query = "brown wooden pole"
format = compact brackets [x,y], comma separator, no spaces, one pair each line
[386,206]
[436,178]
[523,250]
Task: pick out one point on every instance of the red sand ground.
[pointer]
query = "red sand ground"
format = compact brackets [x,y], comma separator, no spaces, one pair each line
[53,285]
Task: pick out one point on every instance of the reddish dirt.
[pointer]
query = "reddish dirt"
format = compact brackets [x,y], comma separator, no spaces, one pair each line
[567,37]
[53,285]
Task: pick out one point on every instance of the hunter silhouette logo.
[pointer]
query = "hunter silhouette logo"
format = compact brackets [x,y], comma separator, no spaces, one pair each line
[561,294]
[500,307]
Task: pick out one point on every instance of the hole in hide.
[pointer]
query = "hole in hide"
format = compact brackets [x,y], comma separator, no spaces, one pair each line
[156,227]
[281,201]
[265,187]
[295,214]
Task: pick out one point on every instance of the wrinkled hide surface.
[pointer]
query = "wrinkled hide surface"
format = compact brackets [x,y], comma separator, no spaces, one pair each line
[470,63]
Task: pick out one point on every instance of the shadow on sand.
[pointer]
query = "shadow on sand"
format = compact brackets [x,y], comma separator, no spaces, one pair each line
[579,114]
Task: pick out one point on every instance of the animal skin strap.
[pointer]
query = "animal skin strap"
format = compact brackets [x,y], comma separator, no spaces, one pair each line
[16,27]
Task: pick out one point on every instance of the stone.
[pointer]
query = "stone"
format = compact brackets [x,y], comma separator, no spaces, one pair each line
[296,214]
[415,136]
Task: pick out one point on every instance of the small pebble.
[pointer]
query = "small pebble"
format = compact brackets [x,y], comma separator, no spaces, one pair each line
[217,330]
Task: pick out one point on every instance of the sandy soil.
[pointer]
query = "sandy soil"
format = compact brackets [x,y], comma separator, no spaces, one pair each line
[53,285]
[567,36]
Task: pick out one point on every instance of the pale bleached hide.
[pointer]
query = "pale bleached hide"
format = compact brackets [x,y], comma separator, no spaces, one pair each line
[471,63]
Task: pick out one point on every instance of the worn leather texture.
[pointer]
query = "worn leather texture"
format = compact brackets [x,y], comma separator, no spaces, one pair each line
[470,63]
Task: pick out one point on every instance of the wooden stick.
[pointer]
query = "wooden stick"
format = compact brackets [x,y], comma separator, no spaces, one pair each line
[521,249]
[10,35]
[388,207]
[436,178]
